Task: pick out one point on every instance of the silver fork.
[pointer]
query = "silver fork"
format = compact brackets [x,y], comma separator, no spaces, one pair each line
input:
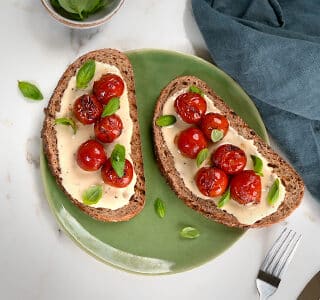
[276,262]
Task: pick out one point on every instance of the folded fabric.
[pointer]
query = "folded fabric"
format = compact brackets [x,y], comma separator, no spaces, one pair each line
[272,48]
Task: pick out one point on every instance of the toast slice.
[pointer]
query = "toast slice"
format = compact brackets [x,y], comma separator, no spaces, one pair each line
[49,135]
[293,184]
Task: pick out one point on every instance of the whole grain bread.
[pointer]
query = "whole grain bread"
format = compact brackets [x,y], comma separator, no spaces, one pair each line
[137,201]
[290,179]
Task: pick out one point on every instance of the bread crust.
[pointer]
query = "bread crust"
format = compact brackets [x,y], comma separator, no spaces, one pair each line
[49,138]
[289,177]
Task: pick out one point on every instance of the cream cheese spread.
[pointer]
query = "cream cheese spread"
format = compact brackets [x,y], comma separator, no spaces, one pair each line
[74,179]
[187,168]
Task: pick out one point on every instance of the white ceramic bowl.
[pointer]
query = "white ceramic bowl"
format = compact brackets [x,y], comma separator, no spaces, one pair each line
[93,20]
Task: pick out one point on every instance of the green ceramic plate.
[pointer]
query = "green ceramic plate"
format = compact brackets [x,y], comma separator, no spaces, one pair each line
[148,244]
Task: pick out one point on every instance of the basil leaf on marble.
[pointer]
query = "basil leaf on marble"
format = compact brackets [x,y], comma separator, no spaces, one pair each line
[92,195]
[85,74]
[118,157]
[29,90]
[189,232]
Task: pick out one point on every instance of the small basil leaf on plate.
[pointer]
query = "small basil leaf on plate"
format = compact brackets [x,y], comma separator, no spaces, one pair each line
[92,195]
[274,192]
[189,232]
[85,74]
[166,120]
[68,122]
[196,90]
[118,157]
[224,198]
[111,107]
[257,164]
[160,208]
[29,90]
[202,156]
[216,135]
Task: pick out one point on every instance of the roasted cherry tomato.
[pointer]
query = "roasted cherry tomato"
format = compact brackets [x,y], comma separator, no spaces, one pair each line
[245,187]
[91,155]
[110,177]
[212,121]
[229,158]
[211,182]
[190,107]
[107,87]
[108,129]
[87,109]
[191,141]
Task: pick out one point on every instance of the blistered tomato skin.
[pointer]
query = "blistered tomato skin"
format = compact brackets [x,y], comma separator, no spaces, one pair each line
[211,182]
[245,187]
[87,109]
[190,107]
[212,121]
[91,155]
[229,158]
[107,129]
[110,177]
[107,87]
[191,141]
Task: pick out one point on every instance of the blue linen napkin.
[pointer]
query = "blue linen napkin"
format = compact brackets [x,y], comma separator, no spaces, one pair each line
[272,48]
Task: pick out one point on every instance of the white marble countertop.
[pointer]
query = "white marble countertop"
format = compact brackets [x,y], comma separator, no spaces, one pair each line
[37,260]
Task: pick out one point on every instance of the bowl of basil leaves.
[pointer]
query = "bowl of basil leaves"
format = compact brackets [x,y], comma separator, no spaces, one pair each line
[82,13]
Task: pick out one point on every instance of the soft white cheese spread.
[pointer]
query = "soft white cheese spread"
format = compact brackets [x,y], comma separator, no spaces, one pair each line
[74,179]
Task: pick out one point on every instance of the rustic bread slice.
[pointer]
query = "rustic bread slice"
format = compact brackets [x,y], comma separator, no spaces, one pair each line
[290,179]
[137,201]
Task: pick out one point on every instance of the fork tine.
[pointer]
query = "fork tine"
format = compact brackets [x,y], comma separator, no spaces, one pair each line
[281,251]
[274,249]
[287,255]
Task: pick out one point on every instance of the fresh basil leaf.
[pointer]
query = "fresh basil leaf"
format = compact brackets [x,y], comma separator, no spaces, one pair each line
[92,195]
[91,5]
[202,156]
[29,90]
[160,208]
[57,7]
[224,198]
[85,74]
[118,157]
[189,233]
[166,120]
[196,90]
[274,192]
[70,6]
[216,135]
[111,107]
[257,164]
[68,122]
[100,5]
